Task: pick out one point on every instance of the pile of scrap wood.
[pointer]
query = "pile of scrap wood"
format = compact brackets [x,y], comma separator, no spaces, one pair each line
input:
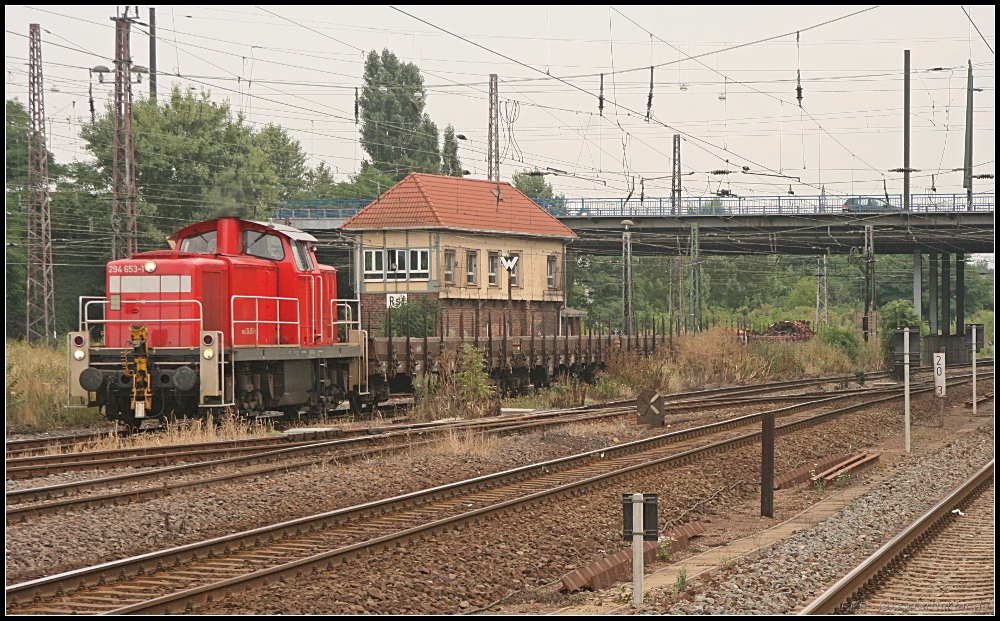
[788,330]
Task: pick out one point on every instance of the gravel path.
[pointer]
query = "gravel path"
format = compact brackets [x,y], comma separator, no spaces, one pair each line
[792,572]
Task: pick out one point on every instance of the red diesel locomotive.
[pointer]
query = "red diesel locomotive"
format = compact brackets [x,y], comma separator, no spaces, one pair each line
[236,316]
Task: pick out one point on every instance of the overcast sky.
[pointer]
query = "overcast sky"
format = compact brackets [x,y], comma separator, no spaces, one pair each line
[299,66]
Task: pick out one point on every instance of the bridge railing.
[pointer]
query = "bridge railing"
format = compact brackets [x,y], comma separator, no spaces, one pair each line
[748,205]
[321,209]
[341,209]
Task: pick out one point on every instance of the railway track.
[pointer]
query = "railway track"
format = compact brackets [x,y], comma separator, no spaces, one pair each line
[32,466]
[944,562]
[183,577]
[18,448]
[33,502]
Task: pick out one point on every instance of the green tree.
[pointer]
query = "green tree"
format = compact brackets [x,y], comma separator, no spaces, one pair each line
[450,164]
[195,160]
[534,185]
[895,314]
[286,155]
[15,197]
[397,135]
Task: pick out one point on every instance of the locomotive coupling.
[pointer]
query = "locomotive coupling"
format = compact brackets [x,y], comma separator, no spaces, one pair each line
[138,370]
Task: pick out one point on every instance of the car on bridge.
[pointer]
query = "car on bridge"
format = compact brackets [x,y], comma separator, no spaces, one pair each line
[869,205]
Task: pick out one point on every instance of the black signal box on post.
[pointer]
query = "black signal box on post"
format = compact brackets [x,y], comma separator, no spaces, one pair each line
[650,525]
[897,348]
[974,330]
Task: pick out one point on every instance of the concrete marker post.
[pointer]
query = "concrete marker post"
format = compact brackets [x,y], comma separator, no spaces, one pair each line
[638,566]
[940,383]
[906,389]
[975,333]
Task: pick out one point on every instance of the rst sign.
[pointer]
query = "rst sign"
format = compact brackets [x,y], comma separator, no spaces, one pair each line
[940,388]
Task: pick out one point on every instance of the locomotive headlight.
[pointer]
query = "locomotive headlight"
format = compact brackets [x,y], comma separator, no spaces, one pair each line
[150,266]
[208,353]
[79,355]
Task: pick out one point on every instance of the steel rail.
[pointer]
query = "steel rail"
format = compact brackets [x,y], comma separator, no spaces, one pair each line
[60,584]
[21,471]
[39,444]
[841,593]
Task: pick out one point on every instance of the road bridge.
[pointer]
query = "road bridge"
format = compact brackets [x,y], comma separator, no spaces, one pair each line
[804,225]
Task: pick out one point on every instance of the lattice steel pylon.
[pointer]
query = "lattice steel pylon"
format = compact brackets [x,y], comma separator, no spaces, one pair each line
[41,310]
[493,137]
[675,179]
[124,221]
[694,299]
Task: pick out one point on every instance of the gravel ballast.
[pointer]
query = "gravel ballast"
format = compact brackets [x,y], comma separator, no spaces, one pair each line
[789,574]
[517,555]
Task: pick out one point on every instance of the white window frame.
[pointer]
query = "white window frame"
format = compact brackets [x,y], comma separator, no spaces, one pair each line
[373,258]
[420,264]
[394,256]
[471,268]
[448,276]
[493,269]
[552,271]
[516,274]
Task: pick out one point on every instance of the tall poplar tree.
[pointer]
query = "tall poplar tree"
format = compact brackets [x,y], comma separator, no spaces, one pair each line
[396,133]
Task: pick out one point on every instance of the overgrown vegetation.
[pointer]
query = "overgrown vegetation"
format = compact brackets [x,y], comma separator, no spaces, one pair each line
[682,580]
[36,390]
[462,389]
[717,358]
[846,339]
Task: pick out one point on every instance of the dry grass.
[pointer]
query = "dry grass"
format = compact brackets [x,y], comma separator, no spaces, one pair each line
[36,390]
[187,432]
[717,358]
[466,442]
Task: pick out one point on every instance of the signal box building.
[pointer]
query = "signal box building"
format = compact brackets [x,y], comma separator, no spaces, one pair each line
[447,239]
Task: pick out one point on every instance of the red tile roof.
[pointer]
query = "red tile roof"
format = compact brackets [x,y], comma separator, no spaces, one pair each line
[437,201]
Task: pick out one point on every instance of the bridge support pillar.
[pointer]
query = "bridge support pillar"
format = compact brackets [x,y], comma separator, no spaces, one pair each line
[932,303]
[945,294]
[960,293]
[917,289]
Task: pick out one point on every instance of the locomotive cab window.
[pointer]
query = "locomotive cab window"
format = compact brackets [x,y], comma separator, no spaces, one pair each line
[301,253]
[201,243]
[263,245]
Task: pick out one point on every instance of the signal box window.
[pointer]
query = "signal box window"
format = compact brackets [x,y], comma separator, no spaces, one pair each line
[263,245]
[397,265]
[374,265]
[472,267]
[420,264]
[552,271]
[449,267]
[202,243]
[494,265]
[515,275]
